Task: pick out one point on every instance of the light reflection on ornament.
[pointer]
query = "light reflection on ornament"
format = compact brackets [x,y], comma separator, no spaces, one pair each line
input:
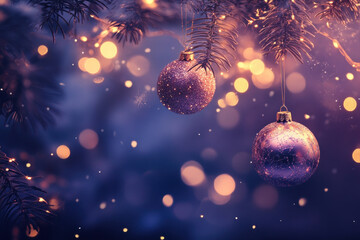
[88,139]
[350,104]
[264,80]
[295,82]
[192,173]
[108,50]
[241,85]
[224,184]
[63,152]
[138,66]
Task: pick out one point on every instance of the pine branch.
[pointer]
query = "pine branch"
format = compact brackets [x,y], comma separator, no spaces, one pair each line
[343,11]
[20,203]
[284,29]
[56,14]
[212,37]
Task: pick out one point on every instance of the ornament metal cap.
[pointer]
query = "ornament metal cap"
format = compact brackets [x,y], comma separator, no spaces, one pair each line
[186,56]
[283,116]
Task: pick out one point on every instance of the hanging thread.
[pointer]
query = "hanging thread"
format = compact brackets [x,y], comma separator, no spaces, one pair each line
[283,84]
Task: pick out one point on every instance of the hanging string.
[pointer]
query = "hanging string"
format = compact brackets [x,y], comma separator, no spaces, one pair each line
[183,33]
[283,84]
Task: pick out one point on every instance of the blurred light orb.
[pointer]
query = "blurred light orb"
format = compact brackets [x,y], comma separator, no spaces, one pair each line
[42,50]
[209,154]
[243,65]
[228,118]
[356,155]
[88,139]
[134,144]
[63,152]
[224,184]
[350,104]
[241,85]
[265,197]
[264,80]
[125,230]
[54,204]
[128,83]
[138,66]
[295,82]
[302,202]
[31,232]
[257,67]
[102,205]
[167,200]
[350,76]
[192,173]
[98,80]
[222,103]
[231,99]
[77,235]
[218,199]
[108,50]
[83,38]
[92,66]
[81,63]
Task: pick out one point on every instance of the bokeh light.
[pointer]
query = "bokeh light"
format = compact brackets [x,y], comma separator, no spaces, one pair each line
[138,66]
[265,197]
[350,76]
[63,151]
[192,173]
[350,104]
[224,184]
[128,83]
[31,232]
[302,202]
[228,118]
[167,200]
[222,103]
[264,80]
[218,199]
[81,63]
[54,204]
[42,50]
[356,155]
[108,50]
[231,99]
[257,67]
[88,139]
[92,65]
[295,82]
[241,85]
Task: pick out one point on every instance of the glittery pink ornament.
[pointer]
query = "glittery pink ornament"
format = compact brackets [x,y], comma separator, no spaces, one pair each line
[182,90]
[285,153]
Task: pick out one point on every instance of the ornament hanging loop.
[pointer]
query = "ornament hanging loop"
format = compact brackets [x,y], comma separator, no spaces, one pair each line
[284,108]
[283,83]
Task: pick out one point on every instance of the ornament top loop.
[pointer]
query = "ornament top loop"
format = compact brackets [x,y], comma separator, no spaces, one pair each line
[283,116]
[186,56]
[283,106]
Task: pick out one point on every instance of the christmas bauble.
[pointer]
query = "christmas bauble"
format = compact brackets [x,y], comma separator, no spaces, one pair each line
[183,89]
[285,153]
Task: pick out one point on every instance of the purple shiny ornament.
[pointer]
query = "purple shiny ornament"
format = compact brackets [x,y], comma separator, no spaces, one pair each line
[285,153]
[183,91]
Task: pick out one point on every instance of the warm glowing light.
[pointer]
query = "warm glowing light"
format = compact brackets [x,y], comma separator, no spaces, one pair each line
[77,235]
[350,76]
[88,139]
[125,230]
[264,80]
[92,65]
[96,45]
[350,104]
[243,65]
[102,205]
[295,82]
[231,99]
[221,103]
[134,144]
[257,67]
[168,200]
[83,38]
[326,189]
[28,165]
[201,216]
[302,202]
[253,226]
[31,232]
[108,50]
[98,80]
[138,66]
[11,159]
[241,85]
[150,3]
[128,83]
[63,152]
[356,155]
[81,64]
[306,116]
[162,238]
[192,173]
[41,199]
[28,178]
[54,204]
[43,50]
[224,184]
[217,198]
